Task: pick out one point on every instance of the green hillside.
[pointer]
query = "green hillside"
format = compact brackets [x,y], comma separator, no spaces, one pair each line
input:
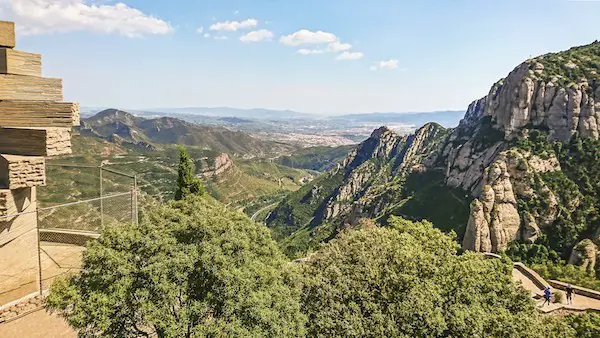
[249,182]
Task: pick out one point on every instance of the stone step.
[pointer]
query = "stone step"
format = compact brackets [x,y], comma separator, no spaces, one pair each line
[21,171]
[20,63]
[39,114]
[35,141]
[16,201]
[7,34]
[30,88]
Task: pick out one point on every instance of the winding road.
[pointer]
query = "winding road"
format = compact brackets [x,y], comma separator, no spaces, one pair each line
[253,218]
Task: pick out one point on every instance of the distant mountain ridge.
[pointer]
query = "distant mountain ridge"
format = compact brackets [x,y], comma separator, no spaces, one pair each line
[124,128]
[448,119]
[254,113]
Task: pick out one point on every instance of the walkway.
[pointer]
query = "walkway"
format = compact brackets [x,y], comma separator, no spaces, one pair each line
[583,300]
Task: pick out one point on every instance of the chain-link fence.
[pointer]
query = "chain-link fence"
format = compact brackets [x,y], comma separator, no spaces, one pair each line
[41,239]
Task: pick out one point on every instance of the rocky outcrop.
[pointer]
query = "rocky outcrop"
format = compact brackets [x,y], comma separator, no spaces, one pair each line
[222,163]
[584,255]
[495,220]
[525,98]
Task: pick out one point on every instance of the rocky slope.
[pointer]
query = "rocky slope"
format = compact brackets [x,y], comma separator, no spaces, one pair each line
[124,128]
[525,157]
[365,184]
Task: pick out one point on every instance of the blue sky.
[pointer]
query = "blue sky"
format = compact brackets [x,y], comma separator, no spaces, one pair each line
[398,55]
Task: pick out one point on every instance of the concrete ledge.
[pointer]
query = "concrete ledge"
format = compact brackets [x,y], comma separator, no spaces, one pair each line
[578,289]
[532,275]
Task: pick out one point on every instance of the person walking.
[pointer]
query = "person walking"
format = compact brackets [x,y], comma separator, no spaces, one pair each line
[547,295]
[570,293]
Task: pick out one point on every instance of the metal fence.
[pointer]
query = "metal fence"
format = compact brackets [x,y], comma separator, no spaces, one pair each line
[41,240]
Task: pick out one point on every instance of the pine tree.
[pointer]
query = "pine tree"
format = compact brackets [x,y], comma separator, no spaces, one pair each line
[186,183]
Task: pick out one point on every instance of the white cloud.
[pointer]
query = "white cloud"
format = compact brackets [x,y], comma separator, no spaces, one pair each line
[207,35]
[305,36]
[200,30]
[236,12]
[385,64]
[339,47]
[332,42]
[257,36]
[36,17]
[305,51]
[234,25]
[350,56]
[220,38]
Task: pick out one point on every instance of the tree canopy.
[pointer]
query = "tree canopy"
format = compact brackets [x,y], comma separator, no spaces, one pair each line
[191,269]
[407,280]
[187,184]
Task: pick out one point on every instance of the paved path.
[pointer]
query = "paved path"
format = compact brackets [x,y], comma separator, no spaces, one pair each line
[38,324]
[580,302]
[253,218]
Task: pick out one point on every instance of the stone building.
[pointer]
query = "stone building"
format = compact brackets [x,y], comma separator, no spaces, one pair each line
[34,124]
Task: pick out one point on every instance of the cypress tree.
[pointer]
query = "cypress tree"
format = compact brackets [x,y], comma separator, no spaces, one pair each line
[186,183]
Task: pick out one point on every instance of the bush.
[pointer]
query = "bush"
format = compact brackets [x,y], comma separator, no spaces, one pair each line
[586,325]
[559,297]
[567,273]
[190,269]
[406,280]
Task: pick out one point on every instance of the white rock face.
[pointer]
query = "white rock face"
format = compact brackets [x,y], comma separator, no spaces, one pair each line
[522,98]
[495,219]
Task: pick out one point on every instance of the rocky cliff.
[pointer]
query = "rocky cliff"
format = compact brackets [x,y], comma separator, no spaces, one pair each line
[361,186]
[524,162]
[555,94]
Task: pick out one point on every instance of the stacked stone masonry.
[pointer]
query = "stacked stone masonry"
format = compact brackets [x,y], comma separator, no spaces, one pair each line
[21,171]
[34,124]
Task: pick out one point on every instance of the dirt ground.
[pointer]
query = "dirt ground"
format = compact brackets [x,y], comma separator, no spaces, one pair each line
[38,324]
[19,274]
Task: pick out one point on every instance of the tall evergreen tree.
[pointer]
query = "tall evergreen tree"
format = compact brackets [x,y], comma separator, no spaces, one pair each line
[187,184]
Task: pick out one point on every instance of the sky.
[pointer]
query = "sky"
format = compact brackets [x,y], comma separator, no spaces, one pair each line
[313,56]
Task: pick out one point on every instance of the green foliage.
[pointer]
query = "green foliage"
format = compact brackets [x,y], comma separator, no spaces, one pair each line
[190,269]
[426,196]
[577,187]
[487,135]
[406,280]
[316,158]
[577,63]
[299,208]
[531,253]
[187,184]
[567,273]
[586,325]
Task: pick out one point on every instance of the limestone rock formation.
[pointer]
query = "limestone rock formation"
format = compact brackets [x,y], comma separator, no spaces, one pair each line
[222,163]
[584,255]
[495,212]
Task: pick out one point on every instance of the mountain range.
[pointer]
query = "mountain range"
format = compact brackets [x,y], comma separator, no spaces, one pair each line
[124,128]
[522,166]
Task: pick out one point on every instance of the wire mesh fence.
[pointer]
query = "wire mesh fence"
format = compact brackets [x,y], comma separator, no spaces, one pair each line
[41,239]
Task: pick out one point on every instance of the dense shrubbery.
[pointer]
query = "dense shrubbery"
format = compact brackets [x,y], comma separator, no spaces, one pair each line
[567,273]
[531,253]
[586,325]
[406,280]
[191,269]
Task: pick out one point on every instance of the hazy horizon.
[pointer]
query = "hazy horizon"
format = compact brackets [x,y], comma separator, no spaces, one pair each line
[331,57]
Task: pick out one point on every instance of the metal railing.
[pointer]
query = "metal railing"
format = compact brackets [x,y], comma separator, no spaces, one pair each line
[41,240]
